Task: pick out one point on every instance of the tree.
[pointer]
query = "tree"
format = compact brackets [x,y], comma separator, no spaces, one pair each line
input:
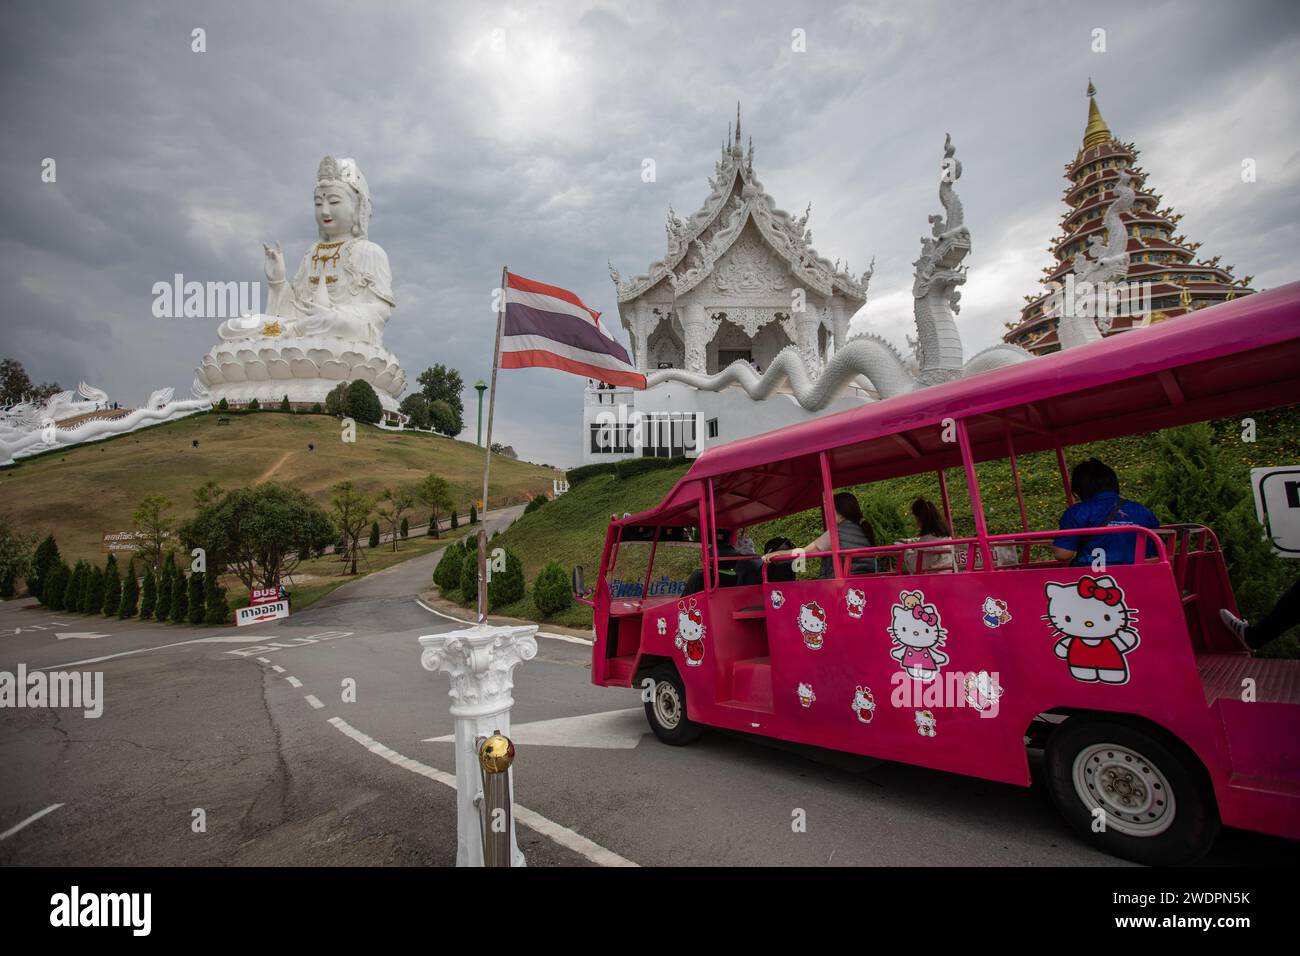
[16,557]
[130,592]
[198,594]
[284,407]
[469,577]
[112,588]
[260,533]
[473,514]
[16,387]
[507,587]
[395,503]
[166,585]
[180,599]
[406,529]
[92,601]
[55,584]
[416,407]
[361,404]
[218,610]
[254,405]
[72,590]
[45,558]
[447,574]
[443,420]
[351,512]
[334,400]
[153,527]
[148,594]
[223,405]
[453,522]
[552,591]
[1191,479]
[443,384]
[435,495]
[207,493]
[374,535]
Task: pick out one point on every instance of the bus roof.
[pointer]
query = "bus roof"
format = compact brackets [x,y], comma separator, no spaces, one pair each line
[1239,356]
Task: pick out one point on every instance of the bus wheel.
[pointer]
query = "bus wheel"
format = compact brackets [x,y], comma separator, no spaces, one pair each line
[666,709]
[1130,792]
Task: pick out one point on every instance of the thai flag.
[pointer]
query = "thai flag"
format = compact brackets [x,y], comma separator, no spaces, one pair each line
[549,327]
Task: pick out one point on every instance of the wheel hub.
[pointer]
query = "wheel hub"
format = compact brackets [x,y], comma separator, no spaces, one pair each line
[668,710]
[1132,792]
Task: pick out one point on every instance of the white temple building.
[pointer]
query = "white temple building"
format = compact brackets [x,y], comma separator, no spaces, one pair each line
[739,283]
[743,328]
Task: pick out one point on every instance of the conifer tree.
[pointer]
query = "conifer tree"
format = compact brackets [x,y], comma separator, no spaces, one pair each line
[166,581]
[112,588]
[216,609]
[148,594]
[180,598]
[197,596]
[130,593]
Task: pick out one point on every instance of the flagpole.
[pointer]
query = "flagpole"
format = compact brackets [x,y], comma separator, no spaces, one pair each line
[487,456]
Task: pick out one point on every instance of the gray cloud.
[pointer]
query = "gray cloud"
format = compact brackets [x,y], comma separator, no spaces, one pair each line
[528,152]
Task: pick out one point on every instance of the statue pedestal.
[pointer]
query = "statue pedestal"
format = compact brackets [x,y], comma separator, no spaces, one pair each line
[480,662]
[306,369]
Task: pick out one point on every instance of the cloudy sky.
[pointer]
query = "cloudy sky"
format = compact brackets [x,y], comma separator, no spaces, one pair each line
[514,133]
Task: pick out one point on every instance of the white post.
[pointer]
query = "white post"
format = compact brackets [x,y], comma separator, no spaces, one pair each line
[480,662]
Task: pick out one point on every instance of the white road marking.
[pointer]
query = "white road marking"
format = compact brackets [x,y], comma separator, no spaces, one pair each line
[81,635]
[277,668]
[460,620]
[263,660]
[293,681]
[314,701]
[534,821]
[610,730]
[138,650]
[32,819]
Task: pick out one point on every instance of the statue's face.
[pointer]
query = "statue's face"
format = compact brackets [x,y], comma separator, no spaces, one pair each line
[336,211]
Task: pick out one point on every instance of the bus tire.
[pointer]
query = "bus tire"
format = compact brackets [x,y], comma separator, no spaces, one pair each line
[1131,791]
[666,708]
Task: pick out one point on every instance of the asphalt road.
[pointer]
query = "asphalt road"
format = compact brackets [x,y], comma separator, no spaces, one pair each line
[251,733]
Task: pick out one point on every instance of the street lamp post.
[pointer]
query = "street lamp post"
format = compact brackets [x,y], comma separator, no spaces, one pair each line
[480,386]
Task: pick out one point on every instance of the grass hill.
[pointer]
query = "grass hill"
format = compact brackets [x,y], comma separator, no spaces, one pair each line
[81,492]
[571,529]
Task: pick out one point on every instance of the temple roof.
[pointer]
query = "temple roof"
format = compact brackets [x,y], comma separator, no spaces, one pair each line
[1097,132]
[736,198]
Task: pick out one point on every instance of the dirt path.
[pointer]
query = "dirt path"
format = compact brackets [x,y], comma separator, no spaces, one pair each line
[274,468]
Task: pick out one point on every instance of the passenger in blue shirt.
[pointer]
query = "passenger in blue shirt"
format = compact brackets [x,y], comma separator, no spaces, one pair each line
[1096,486]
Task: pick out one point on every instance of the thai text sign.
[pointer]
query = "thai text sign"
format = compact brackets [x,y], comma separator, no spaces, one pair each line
[258,613]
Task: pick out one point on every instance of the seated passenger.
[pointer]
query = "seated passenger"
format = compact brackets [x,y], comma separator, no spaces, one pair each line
[932,527]
[728,571]
[1100,506]
[782,572]
[854,532]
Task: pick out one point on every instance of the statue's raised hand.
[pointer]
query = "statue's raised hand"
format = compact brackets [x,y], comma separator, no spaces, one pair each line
[274,264]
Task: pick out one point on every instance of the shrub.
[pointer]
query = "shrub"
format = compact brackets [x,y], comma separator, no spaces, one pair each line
[374,534]
[217,610]
[580,474]
[284,407]
[507,587]
[197,596]
[112,588]
[223,406]
[473,514]
[254,405]
[361,403]
[180,599]
[552,592]
[316,409]
[148,594]
[447,574]
[455,522]
[55,584]
[130,593]
[535,503]
[469,578]
[46,557]
[92,601]
[406,529]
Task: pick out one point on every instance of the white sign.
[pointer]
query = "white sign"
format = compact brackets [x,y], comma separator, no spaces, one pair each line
[1277,505]
[261,612]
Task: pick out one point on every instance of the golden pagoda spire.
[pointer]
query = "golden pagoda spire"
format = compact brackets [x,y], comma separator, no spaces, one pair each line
[1097,132]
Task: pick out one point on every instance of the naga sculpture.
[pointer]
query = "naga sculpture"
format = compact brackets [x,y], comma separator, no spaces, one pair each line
[939,349]
[30,428]
[1109,263]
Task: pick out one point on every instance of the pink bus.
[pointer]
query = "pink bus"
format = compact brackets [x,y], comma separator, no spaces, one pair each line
[1157,723]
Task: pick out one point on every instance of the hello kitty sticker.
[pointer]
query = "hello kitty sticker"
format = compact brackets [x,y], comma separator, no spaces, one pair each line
[662,626]
[855,602]
[918,633]
[777,600]
[1094,627]
[690,632]
[994,612]
[864,705]
[806,695]
[812,625]
[927,725]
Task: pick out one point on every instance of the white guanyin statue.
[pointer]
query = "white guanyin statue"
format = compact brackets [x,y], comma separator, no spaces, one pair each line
[326,324]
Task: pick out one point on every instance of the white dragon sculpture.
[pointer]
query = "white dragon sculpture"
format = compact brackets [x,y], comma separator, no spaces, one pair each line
[1109,263]
[30,428]
[939,349]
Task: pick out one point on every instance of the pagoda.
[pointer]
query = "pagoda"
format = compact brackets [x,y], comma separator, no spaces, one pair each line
[1157,254]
